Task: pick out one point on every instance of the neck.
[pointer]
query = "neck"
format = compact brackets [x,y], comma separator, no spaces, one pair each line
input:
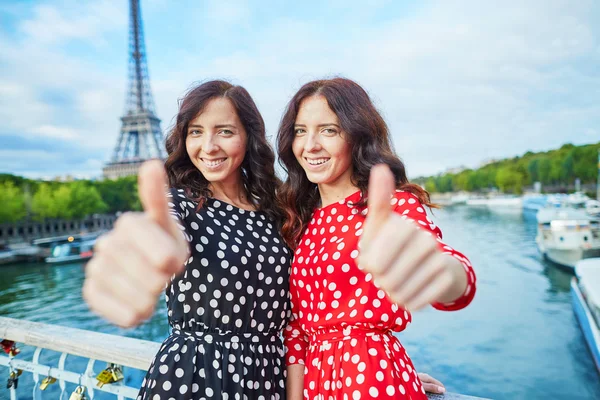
[335,191]
[231,191]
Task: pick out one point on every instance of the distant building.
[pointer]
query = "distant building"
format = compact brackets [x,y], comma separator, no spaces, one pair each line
[456,170]
[487,162]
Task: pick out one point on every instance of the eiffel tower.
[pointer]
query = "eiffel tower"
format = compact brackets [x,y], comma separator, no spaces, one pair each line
[140,138]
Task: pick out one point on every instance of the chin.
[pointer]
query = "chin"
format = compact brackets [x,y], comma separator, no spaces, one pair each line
[316,179]
[215,176]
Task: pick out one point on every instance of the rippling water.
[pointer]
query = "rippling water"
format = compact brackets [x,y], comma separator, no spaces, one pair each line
[519,339]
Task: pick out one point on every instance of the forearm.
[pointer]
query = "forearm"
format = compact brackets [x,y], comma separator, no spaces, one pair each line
[295,382]
[459,281]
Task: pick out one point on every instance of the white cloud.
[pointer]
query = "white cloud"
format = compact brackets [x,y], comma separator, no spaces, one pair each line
[56,132]
[457,81]
[226,12]
[38,62]
[50,25]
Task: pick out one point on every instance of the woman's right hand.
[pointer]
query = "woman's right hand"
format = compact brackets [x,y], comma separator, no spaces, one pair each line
[133,263]
[430,384]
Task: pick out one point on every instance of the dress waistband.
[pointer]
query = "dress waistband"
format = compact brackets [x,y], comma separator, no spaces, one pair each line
[233,337]
[346,333]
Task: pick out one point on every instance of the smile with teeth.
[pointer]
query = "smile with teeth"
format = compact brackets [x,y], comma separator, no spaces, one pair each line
[316,161]
[213,163]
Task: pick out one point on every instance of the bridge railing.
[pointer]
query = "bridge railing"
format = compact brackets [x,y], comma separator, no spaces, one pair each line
[99,349]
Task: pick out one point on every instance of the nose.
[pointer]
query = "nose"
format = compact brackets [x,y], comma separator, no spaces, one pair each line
[312,143]
[209,145]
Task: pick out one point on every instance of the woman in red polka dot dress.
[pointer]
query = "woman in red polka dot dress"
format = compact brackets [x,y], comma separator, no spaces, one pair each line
[348,298]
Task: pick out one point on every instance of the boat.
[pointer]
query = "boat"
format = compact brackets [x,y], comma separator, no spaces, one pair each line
[477,201]
[7,256]
[66,249]
[577,199]
[506,204]
[585,291]
[460,198]
[566,235]
[499,203]
[532,204]
[592,207]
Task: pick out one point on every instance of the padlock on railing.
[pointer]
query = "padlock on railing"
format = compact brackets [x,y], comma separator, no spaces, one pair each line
[117,373]
[6,345]
[78,394]
[13,379]
[49,380]
[110,374]
[9,347]
[105,377]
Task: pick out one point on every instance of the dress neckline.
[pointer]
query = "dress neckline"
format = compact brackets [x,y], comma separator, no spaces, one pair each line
[354,197]
[212,200]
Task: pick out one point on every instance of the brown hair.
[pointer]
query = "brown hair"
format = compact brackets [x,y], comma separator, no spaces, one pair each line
[370,144]
[258,170]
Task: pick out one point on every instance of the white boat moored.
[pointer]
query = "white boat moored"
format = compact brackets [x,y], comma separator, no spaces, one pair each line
[566,235]
[585,289]
[74,248]
[592,207]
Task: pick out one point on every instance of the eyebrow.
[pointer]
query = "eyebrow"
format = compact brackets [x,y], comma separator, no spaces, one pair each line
[225,126]
[319,126]
[216,126]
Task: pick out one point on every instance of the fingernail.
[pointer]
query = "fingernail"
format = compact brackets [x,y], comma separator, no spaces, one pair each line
[441,389]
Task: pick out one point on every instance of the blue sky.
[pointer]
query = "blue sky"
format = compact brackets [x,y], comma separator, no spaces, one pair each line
[459,82]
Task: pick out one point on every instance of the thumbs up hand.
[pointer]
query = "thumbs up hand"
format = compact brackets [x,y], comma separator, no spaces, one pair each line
[133,263]
[403,259]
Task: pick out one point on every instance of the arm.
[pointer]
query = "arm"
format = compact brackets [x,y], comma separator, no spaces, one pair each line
[462,290]
[296,343]
[295,382]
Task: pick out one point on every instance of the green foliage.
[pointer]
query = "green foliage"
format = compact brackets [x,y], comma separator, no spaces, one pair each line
[85,200]
[43,205]
[120,194]
[430,185]
[12,201]
[556,167]
[78,199]
[62,202]
[509,180]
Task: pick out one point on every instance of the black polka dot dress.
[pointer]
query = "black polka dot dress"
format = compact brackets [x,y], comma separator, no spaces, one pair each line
[227,310]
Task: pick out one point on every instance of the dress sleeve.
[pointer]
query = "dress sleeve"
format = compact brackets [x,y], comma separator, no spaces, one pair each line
[407,204]
[179,209]
[295,338]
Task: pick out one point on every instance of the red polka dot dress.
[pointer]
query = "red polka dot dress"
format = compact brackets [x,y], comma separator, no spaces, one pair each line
[342,324]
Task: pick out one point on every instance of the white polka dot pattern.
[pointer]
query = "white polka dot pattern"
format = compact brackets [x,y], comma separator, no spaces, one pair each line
[227,309]
[342,324]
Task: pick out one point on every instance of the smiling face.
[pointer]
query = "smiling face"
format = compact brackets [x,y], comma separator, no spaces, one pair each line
[319,144]
[216,142]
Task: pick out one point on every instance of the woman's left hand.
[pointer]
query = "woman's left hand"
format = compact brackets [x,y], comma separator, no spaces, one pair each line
[430,384]
[404,260]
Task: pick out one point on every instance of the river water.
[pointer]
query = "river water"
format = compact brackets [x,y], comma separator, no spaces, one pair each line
[519,339]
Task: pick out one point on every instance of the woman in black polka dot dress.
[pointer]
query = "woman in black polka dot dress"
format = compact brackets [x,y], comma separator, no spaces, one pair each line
[229,303]
[228,308]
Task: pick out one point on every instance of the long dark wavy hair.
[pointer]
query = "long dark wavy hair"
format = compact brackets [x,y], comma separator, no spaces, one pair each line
[258,167]
[370,144]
